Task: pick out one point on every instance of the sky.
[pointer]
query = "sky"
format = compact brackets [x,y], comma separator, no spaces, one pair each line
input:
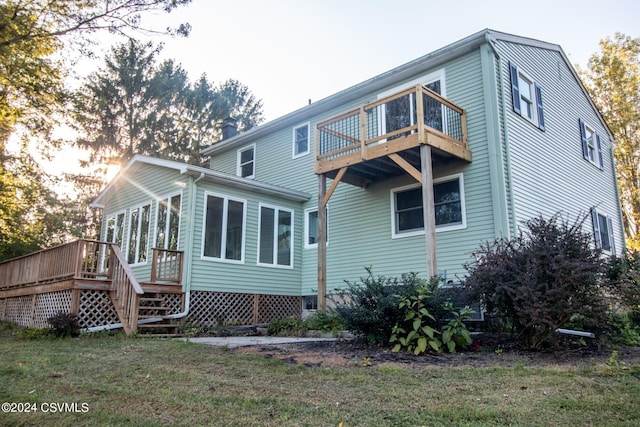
[290,51]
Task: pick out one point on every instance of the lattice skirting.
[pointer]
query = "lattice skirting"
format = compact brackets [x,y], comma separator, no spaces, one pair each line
[217,308]
[34,310]
[96,309]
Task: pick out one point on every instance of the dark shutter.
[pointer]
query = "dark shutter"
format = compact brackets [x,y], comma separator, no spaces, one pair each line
[583,135]
[539,106]
[600,162]
[611,240]
[596,228]
[515,91]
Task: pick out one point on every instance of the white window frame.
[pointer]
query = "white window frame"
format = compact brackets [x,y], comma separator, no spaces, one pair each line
[225,213]
[307,228]
[168,198]
[524,100]
[105,260]
[598,232]
[295,155]
[439,228]
[277,210]
[592,144]
[239,163]
[139,235]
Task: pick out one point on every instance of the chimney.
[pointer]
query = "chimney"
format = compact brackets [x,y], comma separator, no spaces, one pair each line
[229,128]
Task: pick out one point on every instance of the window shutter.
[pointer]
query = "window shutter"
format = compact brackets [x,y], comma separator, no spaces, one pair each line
[515,91]
[611,241]
[600,162]
[583,135]
[596,228]
[539,106]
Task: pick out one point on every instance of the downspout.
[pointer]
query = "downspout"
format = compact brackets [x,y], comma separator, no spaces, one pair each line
[505,136]
[186,275]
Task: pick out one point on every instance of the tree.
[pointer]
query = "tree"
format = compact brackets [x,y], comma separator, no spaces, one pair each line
[134,106]
[538,281]
[31,31]
[613,81]
[32,94]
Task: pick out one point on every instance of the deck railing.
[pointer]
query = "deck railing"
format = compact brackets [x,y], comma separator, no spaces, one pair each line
[126,290]
[355,134]
[166,266]
[78,259]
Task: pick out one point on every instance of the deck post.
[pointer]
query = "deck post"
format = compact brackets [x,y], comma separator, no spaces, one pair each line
[322,242]
[428,210]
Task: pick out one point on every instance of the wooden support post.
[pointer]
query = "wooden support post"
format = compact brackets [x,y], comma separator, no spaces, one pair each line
[256,308]
[428,209]
[74,307]
[322,242]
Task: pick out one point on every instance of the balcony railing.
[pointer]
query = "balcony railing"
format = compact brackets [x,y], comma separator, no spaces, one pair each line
[390,125]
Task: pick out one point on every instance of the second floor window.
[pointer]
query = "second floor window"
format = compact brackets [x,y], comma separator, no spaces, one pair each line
[526,96]
[247,162]
[301,140]
[591,146]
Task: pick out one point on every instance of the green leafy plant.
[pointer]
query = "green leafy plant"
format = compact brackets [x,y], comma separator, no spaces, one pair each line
[370,307]
[623,328]
[34,334]
[419,332]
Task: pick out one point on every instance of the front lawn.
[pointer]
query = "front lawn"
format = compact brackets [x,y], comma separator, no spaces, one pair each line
[112,380]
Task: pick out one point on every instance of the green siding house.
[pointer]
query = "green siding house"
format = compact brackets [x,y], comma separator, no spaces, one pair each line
[409,171]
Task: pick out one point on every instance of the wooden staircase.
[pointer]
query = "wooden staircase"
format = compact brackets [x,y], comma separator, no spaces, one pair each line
[153,309]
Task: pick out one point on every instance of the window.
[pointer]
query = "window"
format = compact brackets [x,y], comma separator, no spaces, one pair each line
[603,231]
[246,162]
[311,227]
[224,225]
[168,222]
[138,234]
[310,302]
[115,229]
[448,198]
[275,242]
[526,96]
[301,140]
[591,147]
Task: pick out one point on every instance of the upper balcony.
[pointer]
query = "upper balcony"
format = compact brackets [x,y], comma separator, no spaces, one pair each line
[376,138]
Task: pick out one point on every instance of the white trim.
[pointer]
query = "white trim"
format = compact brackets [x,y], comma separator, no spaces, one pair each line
[167,197]
[225,210]
[307,211]
[534,102]
[276,210]
[441,228]
[293,143]
[239,163]
[128,241]
[610,234]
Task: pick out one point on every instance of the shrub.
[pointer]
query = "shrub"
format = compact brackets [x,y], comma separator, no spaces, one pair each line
[291,326]
[623,274]
[64,325]
[539,280]
[370,307]
[325,321]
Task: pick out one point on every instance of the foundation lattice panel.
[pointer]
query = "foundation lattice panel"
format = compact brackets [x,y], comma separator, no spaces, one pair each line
[96,309]
[50,304]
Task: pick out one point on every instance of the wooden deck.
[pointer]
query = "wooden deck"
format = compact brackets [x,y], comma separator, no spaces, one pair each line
[382,138]
[58,278]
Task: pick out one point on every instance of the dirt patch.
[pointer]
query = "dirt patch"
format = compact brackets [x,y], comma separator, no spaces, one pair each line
[491,352]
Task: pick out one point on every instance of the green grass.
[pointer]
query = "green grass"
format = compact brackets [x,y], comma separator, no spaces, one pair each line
[151,382]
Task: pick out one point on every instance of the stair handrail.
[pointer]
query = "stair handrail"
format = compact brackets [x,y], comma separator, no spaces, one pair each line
[126,288]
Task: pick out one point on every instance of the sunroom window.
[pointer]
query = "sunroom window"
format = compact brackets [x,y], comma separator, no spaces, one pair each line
[138,234]
[276,237]
[224,225]
[168,222]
